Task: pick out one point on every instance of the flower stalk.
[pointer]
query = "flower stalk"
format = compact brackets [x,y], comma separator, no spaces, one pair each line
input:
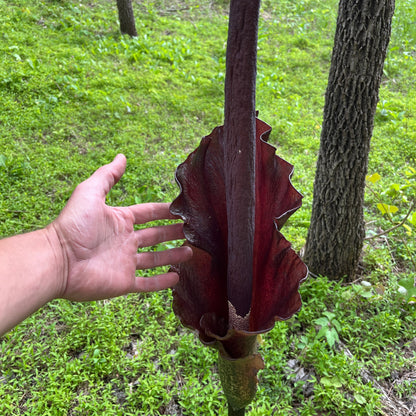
[240,148]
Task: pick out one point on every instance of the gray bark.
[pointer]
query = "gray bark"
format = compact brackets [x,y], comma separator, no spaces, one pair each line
[336,233]
[126,17]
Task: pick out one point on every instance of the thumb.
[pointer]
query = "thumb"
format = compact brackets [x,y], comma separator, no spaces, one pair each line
[108,175]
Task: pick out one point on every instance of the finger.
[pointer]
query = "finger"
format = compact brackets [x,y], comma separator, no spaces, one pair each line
[155,235]
[149,260]
[105,177]
[154,283]
[150,212]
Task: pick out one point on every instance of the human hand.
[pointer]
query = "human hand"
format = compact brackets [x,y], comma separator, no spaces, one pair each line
[99,244]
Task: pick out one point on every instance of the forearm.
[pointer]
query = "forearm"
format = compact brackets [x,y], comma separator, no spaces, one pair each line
[31,270]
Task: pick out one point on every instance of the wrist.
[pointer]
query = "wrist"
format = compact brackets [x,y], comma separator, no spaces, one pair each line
[59,258]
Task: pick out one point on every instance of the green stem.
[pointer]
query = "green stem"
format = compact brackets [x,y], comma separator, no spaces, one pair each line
[232,412]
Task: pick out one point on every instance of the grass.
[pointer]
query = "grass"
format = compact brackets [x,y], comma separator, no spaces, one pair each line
[73,93]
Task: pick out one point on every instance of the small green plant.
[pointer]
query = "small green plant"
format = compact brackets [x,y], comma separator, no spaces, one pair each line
[397,204]
[407,289]
[387,113]
[406,389]
[330,328]
[402,193]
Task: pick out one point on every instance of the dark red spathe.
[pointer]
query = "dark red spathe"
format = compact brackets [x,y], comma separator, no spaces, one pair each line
[200,298]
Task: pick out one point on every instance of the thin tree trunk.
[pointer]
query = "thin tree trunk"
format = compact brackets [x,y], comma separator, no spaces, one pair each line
[126,17]
[240,148]
[336,233]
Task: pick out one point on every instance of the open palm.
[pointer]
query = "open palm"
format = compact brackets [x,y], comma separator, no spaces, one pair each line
[100,244]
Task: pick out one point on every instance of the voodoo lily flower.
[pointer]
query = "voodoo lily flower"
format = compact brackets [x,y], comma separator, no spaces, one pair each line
[235,196]
[200,298]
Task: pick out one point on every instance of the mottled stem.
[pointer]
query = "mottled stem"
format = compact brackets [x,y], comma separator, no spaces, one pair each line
[239,412]
[240,148]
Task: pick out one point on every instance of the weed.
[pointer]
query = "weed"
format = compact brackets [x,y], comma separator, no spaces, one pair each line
[330,327]
[390,201]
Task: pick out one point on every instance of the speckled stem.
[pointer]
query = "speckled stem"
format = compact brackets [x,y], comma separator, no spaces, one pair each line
[239,412]
[239,379]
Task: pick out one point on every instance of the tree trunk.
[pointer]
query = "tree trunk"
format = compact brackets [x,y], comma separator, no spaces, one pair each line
[126,17]
[336,233]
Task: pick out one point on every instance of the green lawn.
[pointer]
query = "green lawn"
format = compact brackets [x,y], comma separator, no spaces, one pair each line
[74,93]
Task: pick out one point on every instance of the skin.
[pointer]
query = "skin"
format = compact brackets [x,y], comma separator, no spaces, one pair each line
[89,252]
